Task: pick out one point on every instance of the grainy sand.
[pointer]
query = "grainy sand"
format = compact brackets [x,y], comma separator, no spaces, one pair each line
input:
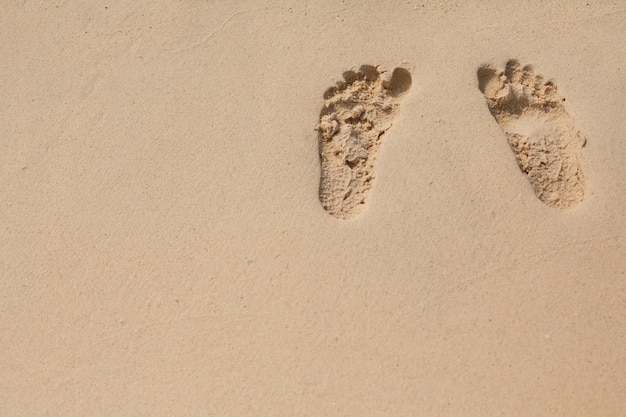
[164,250]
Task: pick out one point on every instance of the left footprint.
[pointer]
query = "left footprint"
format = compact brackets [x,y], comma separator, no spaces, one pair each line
[356,114]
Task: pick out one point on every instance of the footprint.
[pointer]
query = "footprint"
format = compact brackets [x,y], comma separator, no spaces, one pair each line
[356,114]
[540,132]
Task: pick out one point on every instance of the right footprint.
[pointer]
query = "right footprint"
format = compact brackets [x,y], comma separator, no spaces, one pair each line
[539,130]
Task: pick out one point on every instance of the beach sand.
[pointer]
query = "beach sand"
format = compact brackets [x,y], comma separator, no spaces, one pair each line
[164,249]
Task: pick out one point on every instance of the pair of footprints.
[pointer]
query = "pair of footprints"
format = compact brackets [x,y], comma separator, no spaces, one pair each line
[358,111]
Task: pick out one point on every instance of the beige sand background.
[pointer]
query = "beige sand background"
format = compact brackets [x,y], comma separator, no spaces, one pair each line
[163,251]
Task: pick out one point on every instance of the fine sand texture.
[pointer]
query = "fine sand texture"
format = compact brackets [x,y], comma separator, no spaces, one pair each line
[313,208]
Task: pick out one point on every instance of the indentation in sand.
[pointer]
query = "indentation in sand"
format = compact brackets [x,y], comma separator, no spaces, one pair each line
[356,114]
[539,130]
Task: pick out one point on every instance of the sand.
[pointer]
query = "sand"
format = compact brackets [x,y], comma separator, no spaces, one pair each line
[164,250]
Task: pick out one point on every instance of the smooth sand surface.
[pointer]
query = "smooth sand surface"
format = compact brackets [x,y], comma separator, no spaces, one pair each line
[164,251]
